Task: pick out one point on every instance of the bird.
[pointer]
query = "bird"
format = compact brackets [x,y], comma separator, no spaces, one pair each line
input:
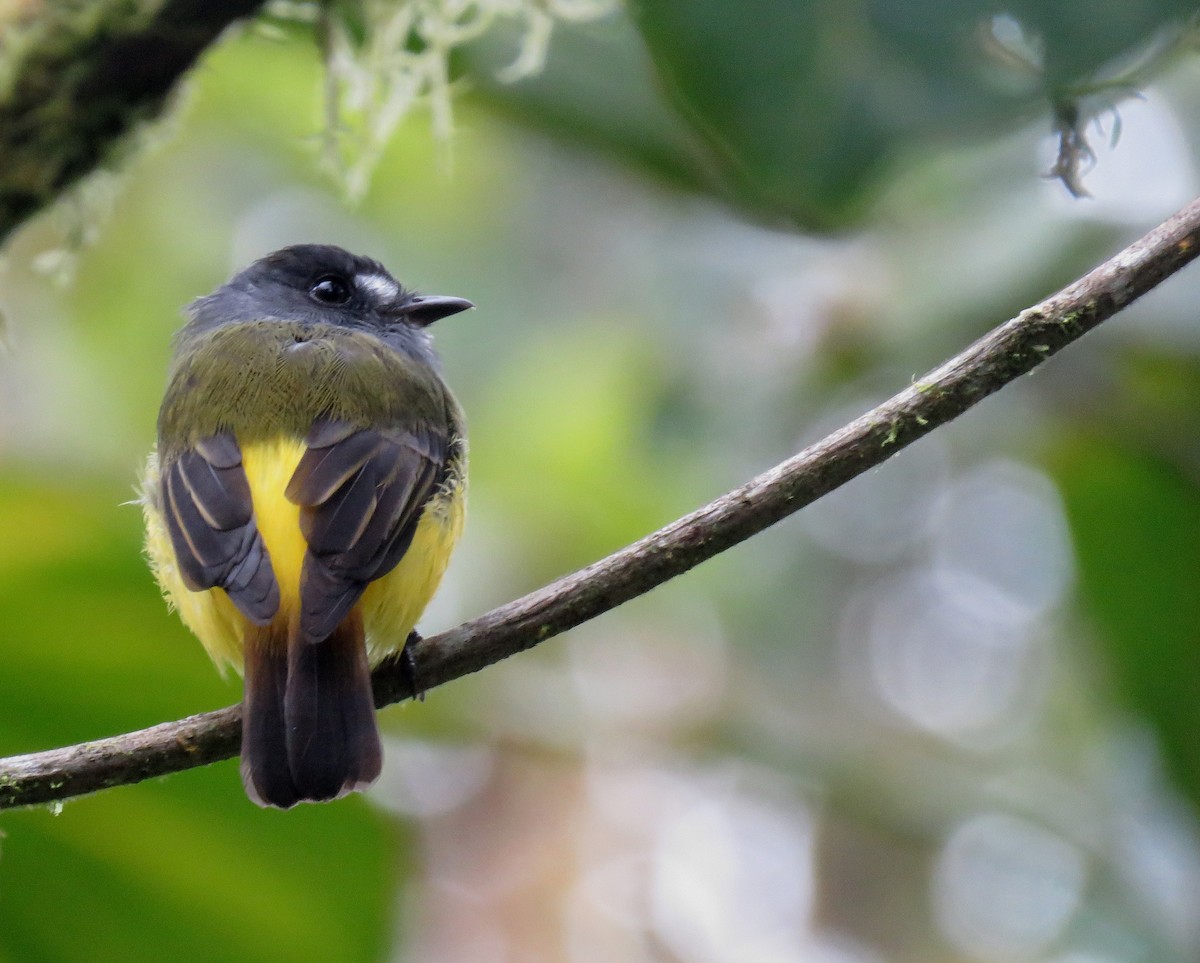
[302,500]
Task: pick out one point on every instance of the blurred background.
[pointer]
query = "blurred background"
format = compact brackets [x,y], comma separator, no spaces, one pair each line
[949,713]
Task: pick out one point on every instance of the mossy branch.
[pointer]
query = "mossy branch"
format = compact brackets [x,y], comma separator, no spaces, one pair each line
[75,78]
[1000,357]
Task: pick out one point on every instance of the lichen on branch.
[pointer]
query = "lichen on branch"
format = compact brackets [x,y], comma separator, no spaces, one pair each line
[383,59]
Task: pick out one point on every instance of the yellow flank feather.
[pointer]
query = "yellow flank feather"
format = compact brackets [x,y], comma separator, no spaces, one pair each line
[269,467]
[389,607]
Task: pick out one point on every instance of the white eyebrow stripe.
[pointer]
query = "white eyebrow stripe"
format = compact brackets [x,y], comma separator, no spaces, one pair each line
[379,285]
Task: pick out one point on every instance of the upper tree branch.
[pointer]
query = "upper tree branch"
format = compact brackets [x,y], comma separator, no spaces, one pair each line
[993,361]
[75,77]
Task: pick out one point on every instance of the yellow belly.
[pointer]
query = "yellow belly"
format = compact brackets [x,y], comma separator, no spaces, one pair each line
[389,607]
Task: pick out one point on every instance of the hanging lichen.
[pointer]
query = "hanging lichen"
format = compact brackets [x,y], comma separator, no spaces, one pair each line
[383,59]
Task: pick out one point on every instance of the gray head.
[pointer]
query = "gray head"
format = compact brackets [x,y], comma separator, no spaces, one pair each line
[322,284]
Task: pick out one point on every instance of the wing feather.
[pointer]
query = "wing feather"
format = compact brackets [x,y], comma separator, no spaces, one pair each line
[210,518]
[326,468]
[361,494]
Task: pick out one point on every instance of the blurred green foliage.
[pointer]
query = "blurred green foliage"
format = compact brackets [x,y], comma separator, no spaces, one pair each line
[800,113]
[183,869]
[1132,496]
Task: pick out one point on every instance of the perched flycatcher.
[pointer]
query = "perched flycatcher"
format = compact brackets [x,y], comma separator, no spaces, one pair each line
[305,494]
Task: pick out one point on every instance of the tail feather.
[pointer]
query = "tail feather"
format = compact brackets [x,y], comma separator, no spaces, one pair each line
[309,730]
[265,771]
[332,740]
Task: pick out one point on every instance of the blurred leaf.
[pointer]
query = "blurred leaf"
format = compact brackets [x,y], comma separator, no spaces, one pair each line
[598,90]
[183,867]
[1136,523]
[805,104]
[1081,38]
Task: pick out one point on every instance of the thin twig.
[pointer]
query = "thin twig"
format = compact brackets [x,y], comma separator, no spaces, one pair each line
[998,358]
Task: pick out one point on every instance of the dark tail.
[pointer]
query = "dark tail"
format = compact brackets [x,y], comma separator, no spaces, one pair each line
[308,716]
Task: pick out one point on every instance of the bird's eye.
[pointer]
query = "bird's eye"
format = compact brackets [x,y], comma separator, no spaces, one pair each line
[330,289]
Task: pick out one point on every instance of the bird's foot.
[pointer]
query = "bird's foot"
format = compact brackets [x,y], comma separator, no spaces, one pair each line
[408,666]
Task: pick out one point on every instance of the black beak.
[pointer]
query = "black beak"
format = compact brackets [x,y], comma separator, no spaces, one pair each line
[422,310]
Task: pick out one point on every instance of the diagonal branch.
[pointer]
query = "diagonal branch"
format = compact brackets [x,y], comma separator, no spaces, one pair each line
[1003,355]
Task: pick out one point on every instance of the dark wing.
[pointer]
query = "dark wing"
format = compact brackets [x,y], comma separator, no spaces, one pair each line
[206,501]
[361,493]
